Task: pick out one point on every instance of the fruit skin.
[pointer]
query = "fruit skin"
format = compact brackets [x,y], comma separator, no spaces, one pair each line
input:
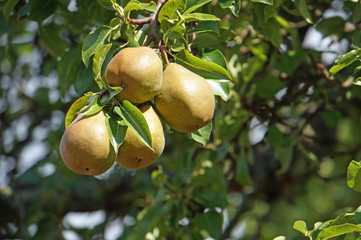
[85,147]
[186,101]
[133,153]
[139,71]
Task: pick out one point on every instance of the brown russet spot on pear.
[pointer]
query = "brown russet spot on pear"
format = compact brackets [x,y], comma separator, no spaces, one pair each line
[139,71]
[135,154]
[186,101]
[85,147]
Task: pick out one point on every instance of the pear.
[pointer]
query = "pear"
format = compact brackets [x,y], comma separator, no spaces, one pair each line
[85,147]
[186,101]
[135,154]
[138,70]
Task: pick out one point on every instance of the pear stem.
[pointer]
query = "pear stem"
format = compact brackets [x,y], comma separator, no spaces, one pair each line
[165,55]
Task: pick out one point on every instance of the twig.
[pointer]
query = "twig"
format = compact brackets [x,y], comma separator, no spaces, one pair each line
[138,21]
[153,25]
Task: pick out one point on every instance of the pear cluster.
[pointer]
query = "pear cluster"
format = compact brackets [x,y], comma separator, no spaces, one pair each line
[182,99]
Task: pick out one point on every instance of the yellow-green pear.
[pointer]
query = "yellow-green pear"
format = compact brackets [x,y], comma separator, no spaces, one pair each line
[186,101]
[139,71]
[135,154]
[85,147]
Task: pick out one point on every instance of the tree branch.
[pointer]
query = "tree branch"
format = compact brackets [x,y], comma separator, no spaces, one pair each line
[153,25]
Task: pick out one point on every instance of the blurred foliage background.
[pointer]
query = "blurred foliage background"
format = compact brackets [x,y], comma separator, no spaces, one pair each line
[278,152]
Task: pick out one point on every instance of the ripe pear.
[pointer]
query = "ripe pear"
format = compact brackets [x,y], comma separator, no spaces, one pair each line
[186,101]
[85,147]
[133,153]
[138,70]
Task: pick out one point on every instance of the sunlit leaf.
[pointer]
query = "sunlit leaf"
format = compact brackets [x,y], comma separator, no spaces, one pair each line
[75,108]
[94,107]
[135,120]
[9,7]
[354,175]
[192,5]
[345,60]
[94,41]
[98,60]
[300,226]
[233,5]
[116,130]
[202,135]
[338,230]
[202,67]
[169,10]
[268,2]
[200,17]
[220,88]
[138,6]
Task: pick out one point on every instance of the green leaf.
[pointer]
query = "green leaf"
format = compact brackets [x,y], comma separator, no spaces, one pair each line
[75,108]
[268,2]
[49,37]
[209,224]
[210,197]
[220,88]
[331,117]
[169,10]
[135,120]
[199,17]
[268,86]
[207,39]
[215,56]
[98,60]
[137,6]
[206,26]
[67,67]
[116,130]
[290,61]
[338,230]
[233,5]
[40,10]
[9,7]
[83,79]
[330,26]
[192,5]
[269,28]
[345,60]
[94,41]
[357,82]
[94,107]
[300,226]
[176,32]
[354,175]
[302,7]
[202,67]
[202,135]
[112,92]
[251,67]
[243,175]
